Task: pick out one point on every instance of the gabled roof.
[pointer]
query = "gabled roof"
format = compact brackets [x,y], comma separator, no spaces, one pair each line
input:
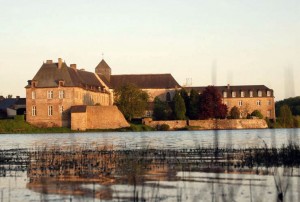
[145,81]
[49,75]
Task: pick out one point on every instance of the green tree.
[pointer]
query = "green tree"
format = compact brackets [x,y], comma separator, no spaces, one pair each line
[194,105]
[161,110]
[257,114]
[285,117]
[210,104]
[131,101]
[235,113]
[186,99]
[179,109]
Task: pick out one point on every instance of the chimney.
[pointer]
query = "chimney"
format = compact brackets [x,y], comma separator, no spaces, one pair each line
[48,61]
[73,66]
[228,86]
[59,63]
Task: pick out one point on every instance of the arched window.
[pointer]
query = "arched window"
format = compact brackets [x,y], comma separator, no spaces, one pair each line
[168,97]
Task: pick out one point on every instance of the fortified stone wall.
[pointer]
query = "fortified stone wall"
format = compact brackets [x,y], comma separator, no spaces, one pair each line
[211,124]
[78,121]
[98,117]
[177,124]
[229,124]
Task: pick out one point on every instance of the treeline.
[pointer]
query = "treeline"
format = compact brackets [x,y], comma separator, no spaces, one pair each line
[287,113]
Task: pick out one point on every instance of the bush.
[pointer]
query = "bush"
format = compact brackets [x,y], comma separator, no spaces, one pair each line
[257,114]
[234,113]
[164,127]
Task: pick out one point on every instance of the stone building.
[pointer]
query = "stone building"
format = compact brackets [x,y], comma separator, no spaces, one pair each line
[247,98]
[56,88]
[156,85]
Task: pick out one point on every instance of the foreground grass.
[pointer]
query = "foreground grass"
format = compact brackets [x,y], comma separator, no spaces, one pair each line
[19,125]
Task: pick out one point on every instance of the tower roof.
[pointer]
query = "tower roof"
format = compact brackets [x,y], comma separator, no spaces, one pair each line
[102,65]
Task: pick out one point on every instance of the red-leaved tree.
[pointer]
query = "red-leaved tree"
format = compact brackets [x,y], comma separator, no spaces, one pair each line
[210,104]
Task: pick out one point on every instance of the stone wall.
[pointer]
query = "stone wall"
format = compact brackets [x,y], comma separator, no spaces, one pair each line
[78,121]
[210,124]
[229,124]
[98,117]
[176,124]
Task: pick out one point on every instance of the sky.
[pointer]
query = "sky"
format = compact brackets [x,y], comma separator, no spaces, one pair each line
[212,42]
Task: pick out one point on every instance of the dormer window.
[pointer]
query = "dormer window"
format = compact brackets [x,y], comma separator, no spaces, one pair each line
[233,94]
[259,93]
[251,93]
[224,94]
[61,83]
[33,84]
[268,93]
[242,94]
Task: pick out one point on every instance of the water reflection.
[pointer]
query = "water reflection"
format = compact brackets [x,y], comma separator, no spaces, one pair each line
[101,172]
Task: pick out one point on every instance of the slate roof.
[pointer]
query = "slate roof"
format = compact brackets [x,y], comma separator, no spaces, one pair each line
[49,75]
[78,109]
[238,89]
[144,81]
[103,64]
[7,103]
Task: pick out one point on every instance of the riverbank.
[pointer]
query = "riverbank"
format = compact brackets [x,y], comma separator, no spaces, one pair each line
[19,126]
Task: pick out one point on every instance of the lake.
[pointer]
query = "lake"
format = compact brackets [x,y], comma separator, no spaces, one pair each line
[148,166]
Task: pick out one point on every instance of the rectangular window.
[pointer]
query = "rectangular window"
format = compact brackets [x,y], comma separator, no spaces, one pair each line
[50,94]
[251,93]
[269,102]
[61,109]
[268,93]
[61,94]
[233,94]
[240,103]
[33,111]
[258,102]
[33,95]
[224,94]
[50,110]
[259,93]
[269,113]
[242,94]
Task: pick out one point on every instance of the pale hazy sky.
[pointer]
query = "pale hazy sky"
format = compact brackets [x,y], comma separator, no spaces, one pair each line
[247,41]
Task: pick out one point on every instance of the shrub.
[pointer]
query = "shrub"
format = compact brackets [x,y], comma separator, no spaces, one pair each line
[257,114]
[164,127]
[235,113]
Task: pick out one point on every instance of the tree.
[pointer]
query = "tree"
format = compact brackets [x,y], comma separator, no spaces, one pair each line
[131,101]
[193,105]
[257,114]
[161,110]
[285,117]
[235,113]
[179,109]
[210,104]
[186,99]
